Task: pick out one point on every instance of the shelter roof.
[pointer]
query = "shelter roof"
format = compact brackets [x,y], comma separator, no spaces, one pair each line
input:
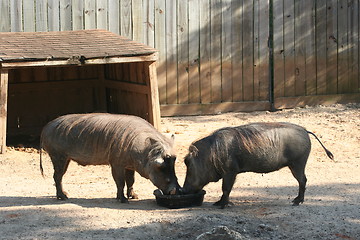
[86,44]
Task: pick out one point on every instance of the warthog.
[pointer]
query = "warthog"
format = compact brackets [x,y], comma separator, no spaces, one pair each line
[257,147]
[126,143]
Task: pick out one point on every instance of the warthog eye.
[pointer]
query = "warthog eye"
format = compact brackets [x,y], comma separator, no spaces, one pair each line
[169,157]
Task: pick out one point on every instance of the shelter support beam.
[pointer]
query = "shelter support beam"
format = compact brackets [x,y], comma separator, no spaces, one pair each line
[153,96]
[4,73]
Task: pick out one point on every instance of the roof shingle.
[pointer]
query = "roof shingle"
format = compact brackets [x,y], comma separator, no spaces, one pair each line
[97,43]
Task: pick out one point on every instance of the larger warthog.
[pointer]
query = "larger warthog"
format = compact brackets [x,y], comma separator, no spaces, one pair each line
[257,147]
[126,143]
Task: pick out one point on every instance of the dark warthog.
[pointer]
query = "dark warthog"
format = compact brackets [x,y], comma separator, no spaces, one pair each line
[257,147]
[127,143]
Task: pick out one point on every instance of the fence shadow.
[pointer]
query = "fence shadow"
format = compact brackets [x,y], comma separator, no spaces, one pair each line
[264,213]
[259,212]
[110,203]
[241,197]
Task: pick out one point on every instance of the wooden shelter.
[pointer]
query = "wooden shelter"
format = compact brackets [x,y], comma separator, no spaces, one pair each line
[48,74]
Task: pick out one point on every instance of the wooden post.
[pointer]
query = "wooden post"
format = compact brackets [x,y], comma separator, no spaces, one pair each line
[3,107]
[153,96]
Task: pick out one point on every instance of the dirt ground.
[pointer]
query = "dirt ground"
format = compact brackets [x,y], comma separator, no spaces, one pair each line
[262,202]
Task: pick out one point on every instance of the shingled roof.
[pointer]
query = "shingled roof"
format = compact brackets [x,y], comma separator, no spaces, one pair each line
[87,44]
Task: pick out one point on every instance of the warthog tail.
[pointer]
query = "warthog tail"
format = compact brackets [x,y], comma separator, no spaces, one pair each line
[330,155]
[41,167]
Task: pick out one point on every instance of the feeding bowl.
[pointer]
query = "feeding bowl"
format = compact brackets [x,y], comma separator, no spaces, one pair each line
[179,201]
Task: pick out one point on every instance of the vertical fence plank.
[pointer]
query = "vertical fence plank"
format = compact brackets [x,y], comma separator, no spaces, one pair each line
[183,52]
[171,53]
[264,77]
[16,15]
[289,48]
[215,66]
[226,52]
[29,16]
[279,64]
[5,16]
[353,23]
[331,47]
[65,15]
[89,14]
[248,51]
[41,16]
[147,17]
[237,63]
[343,77]
[137,20]
[126,17]
[310,61]
[194,38]
[102,14]
[299,49]
[114,17]
[53,15]
[205,33]
[321,46]
[149,23]
[160,43]
[77,14]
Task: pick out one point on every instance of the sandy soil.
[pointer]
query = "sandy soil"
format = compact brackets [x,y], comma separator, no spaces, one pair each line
[262,202]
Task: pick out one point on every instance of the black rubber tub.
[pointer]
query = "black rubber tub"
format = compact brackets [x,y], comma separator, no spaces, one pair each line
[179,201]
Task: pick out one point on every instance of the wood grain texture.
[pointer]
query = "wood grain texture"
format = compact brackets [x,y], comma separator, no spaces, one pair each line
[4,73]
[215,51]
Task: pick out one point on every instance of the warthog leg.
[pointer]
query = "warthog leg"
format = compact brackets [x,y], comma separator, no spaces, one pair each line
[60,163]
[227,184]
[299,173]
[118,173]
[130,179]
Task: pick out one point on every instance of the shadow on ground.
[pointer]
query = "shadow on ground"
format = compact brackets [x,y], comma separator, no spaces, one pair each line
[258,213]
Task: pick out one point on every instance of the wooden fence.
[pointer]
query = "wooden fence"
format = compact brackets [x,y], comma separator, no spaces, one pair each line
[316,52]
[223,55]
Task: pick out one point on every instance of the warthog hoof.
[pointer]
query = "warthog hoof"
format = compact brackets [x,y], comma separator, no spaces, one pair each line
[222,204]
[62,196]
[297,201]
[132,195]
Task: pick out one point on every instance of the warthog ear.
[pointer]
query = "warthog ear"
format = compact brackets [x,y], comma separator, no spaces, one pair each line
[193,150]
[154,147]
[151,141]
[172,138]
